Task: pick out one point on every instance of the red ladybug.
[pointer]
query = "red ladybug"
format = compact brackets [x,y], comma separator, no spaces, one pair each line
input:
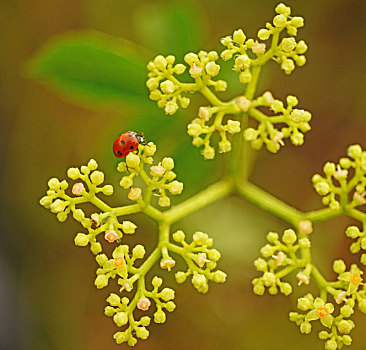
[127,143]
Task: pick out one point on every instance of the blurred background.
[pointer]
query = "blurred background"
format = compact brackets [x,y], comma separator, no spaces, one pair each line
[47,297]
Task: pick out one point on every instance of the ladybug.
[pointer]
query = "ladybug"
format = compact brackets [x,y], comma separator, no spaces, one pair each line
[127,143]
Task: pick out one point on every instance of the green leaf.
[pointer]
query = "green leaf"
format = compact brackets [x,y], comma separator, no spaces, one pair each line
[91,67]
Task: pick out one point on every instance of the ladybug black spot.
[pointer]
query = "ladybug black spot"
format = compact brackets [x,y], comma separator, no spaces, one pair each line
[131,147]
[123,142]
[119,153]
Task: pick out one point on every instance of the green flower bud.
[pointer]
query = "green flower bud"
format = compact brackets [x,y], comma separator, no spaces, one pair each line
[291,30]
[286,288]
[273,146]
[242,62]
[269,279]
[258,289]
[157,282]
[209,153]
[363,259]
[345,327]
[283,9]
[331,345]
[199,280]
[226,55]
[219,276]
[145,321]
[293,316]
[120,337]
[179,236]
[334,205]
[301,47]
[245,77]
[329,168]
[212,69]
[114,299]
[323,335]
[128,227]
[54,184]
[132,160]
[101,259]
[180,277]
[167,87]
[138,251]
[233,126]
[73,173]
[305,328]
[122,167]
[272,237]
[268,250]
[120,319]
[152,84]
[97,177]
[304,243]
[175,187]
[354,151]
[322,188]
[61,217]
[164,201]
[142,332]
[277,106]
[167,294]
[304,304]
[194,130]
[78,215]
[263,34]
[58,206]
[131,341]
[95,248]
[170,306]
[280,21]
[200,238]
[81,240]
[288,44]
[297,22]
[107,190]
[353,232]
[260,265]
[179,68]
[347,340]
[224,146]
[184,102]
[339,266]
[46,201]
[109,311]
[273,290]
[159,316]
[355,247]
[101,281]
[214,255]
[289,237]
[346,311]
[288,66]
[160,62]
[250,134]
[170,59]
[239,37]
[156,95]
[300,60]
[221,85]
[150,149]
[191,58]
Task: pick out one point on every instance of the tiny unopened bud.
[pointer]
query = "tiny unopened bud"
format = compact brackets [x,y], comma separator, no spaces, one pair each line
[195,71]
[305,227]
[134,194]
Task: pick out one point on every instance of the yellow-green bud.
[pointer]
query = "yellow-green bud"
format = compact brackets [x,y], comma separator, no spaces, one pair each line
[221,85]
[138,251]
[200,238]
[107,190]
[331,345]
[128,227]
[339,266]
[54,184]
[219,276]
[224,146]
[157,282]
[304,304]
[81,240]
[260,265]
[164,201]
[73,173]
[132,160]
[145,321]
[212,68]
[120,337]
[194,130]
[268,250]
[322,188]
[239,37]
[167,87]
[286,288]
[101,281]
[114,299]
[283,9]
[300,60]
[250,134]
[101,259]
[245,77]
[272,237]
[288,66]
[171,107]
[226,55]
[214,254]
[109,311]
[170,59]
[92,164]
[280,21]
[167,294]
[345,326]
[95,248]
[297,138]
[304,243]
[160,62]
[258,289]
[289,237]
[159,316]
[277,106]
[45,201]
[126,182]
[263,34]
[269,279]
[209,153]
[61,216]
[168,163]
[233,126]
[199,280]
[179,68]
[184,102]
[58,206]
[242,62]
[179,236]
[305,328]
[175,187]
[346,311]
[180,277]
[288,44]
[155,95]
[191,58]
[297,22]
[142,332]
[152,84]
[301,47]
[354,151]
[120,319]
[97,177]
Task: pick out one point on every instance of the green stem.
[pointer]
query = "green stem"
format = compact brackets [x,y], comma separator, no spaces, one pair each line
[209,195]
[128,209]
[321,214]
[269,203]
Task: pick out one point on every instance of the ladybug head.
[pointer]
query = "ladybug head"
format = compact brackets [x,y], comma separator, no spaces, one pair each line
[140,138]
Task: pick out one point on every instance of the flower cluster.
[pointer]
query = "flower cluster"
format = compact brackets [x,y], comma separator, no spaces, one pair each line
[160,181]
[121,309]
[281,261]
[345,293]
[200,259]
[296,123]
[338,188]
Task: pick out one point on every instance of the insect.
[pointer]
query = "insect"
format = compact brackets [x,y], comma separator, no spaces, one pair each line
[127,143]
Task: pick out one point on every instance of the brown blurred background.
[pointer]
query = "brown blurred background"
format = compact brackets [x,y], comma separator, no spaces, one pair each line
[47,297]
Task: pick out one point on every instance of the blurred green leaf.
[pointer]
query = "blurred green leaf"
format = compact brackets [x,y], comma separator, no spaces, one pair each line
[171,28]
[88,66]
